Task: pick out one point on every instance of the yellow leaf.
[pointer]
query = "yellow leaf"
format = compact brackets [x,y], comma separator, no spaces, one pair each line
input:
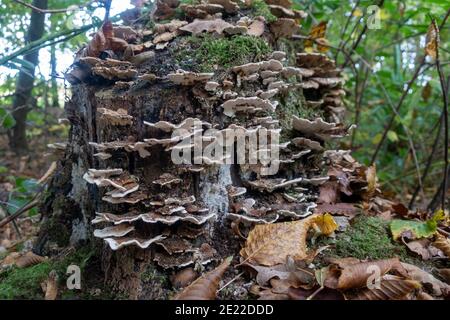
[326,224]
[309,49]
[358,12]
[384,15]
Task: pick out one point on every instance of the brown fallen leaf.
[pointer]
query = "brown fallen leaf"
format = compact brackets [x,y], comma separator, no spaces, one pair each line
[271,244]
[437,287]
[371,176]
[328,192]
[391,288]
[356,275]
[445,274]
[51,286]
[205,287]
[183,277]
[443,244]
[296,276]
[420,247]
[29,259]
[314,294]
[100,40]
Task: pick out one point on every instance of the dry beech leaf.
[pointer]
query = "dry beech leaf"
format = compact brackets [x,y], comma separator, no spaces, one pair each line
[391,288]
[29,259]
[51,286]
[432,40]
[271,244]
[355,275]
[100,40]
[317,32]
[443,244]
[324,294]
[437,287]
[371,176]
[445,274]
[205,287]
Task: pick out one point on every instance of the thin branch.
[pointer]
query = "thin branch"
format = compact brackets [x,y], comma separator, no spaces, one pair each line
[52,11]
[432,153]
[445,111]
[358,40]
[347,23]
[397,109]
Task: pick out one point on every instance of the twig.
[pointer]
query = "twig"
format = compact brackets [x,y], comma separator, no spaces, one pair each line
[51,11]
[342,43]
[358,40]
[30,205]
[231,281]
[445,101]
[432,153]
[397,109]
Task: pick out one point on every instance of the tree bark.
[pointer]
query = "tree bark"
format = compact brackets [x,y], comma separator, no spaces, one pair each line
[25,81]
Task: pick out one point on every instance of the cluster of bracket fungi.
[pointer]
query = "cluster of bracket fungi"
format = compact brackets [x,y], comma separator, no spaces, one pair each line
[166,214]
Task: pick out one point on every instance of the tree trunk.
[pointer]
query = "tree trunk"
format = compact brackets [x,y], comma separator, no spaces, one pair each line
[118,172]
[24,85]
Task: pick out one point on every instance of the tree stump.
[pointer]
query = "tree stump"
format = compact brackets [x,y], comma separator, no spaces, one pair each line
[139,91]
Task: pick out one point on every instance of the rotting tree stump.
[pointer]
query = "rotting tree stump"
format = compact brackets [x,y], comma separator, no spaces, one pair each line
[134,86]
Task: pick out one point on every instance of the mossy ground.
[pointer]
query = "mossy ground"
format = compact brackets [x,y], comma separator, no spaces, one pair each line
[207,52]
[366,238]
[25,283]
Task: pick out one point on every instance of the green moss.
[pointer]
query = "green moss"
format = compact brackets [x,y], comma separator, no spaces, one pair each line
[24,283]
[260,8]
[208,52]
[368,238]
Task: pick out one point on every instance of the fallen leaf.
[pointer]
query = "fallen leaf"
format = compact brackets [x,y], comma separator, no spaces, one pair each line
[391,288]
[51,286]
[205,287]
[323,294]
[356,275]
[437,287]
[100,40]
[445,274]
[271,244]
[443,244]
[326,224]
[29,259]
[420,247]
[416,229]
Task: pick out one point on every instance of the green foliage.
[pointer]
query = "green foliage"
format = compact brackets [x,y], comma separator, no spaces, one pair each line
[6,119]
[209,52]
[368,237]
[416,229]
[24,191]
